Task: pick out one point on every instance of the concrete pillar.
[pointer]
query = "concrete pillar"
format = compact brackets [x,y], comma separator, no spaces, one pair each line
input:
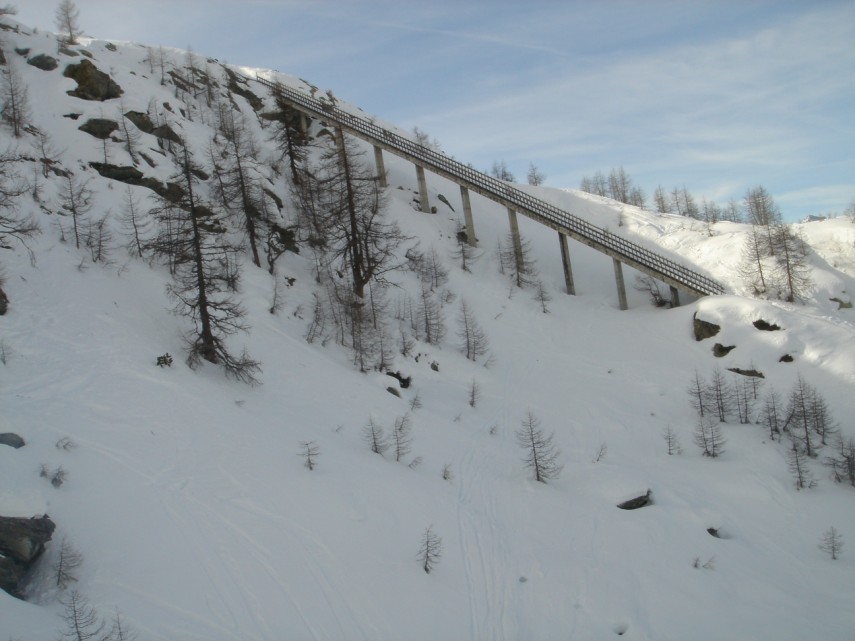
[515,235]
[621,288]
[381,167]
[304,124]
[467,216]
[675,297]
[565,260]
[424,204]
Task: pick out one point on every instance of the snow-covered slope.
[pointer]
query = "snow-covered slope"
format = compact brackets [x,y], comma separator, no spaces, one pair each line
[196,518]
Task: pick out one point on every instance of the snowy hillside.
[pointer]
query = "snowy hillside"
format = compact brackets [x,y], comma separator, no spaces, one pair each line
[186,492]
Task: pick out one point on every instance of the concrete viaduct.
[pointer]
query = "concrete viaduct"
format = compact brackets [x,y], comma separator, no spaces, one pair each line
[622,251]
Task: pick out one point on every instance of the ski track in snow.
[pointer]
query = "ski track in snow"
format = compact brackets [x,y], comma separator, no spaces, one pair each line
[484,554]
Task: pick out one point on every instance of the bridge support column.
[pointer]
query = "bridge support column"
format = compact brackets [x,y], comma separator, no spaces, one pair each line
[515,235]
[675,297]
[381,167]
[565,260]
[304,124]
[424,204]
[467,216]
[621,288]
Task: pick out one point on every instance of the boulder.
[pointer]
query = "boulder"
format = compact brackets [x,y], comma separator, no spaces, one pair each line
[12,440]
[101,128]
[746,372]
[43,62]
[141,120]
[22,541]
[92,83]
[766,326]
[704,329]
[638,502]
[720,350]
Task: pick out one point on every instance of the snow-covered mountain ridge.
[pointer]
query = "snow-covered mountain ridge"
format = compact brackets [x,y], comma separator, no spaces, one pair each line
[187,496]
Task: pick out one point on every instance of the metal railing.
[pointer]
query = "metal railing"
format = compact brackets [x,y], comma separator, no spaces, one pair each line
[600,239]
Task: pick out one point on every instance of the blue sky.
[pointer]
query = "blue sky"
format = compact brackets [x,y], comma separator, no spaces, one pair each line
[715,96]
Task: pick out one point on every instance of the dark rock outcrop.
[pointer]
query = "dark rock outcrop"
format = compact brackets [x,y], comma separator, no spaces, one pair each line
[704,329]
[133,176]
[4,302]
[720,350]
[43,62]
[638,502]
[22,541]
[141,121]
[92,83]
[766,326]
[786,358]
[101,128]
[746,372]
[12,440]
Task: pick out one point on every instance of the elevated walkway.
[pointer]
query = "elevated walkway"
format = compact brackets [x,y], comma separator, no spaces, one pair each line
[622,251]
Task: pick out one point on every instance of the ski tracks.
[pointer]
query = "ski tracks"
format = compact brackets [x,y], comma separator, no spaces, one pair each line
[484,553]
[213,522]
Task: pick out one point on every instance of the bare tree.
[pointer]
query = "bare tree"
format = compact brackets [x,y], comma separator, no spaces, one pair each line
[343,211]
[535,176]
[672,441]
[684,203]
[697,395]
[542,296]
[719,395]
[402,436]
[192,237]
[662,201]
[310,452]
[761,210]
[474,393]
[500,170]
[81,620]
[541,454]
[12,186]
[430,551]
[800,421]
[843,462]
[751,268]
[416,402]
[119,631]
[131,133]
[516,261]
[792,270]
[473,340]
[373,435]
[68,561]
[98,240]
[236,170]
[15,99]
[447,474]
[431,320]
[832,543]
[424,139]
[620,185]
[464,252]
[137,223]
[798,465]
[708,436]
[76,200]
[772,407]
[67,20]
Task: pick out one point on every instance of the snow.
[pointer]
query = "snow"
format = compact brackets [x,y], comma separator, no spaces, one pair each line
[187,497]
